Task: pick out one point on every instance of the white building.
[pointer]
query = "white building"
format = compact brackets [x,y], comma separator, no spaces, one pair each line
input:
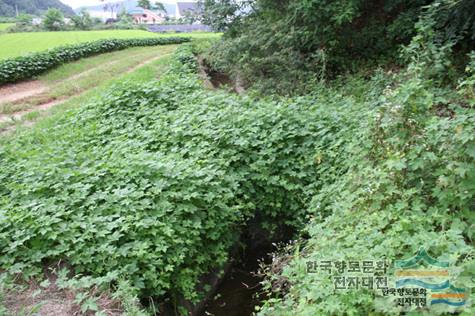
[103,15]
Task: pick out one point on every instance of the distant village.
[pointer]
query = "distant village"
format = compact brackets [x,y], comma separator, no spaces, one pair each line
[141,15]
[183,16]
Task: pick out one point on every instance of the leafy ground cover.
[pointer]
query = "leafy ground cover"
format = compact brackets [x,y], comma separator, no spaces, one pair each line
[406,181]
[153,183]
[21,300]
[158,181]
[53,301]
[13,44]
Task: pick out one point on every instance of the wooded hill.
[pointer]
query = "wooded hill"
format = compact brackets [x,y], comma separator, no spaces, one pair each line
[36,7]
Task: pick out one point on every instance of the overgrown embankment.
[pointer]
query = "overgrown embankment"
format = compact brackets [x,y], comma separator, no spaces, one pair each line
[154,183]
[406,182]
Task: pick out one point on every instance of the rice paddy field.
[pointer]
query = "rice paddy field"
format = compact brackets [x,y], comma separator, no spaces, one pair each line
[17,44]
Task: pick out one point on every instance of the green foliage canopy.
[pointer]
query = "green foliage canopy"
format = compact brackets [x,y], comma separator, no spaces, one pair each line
[283,45]
[145,4]
[53,20]
[34,7]
[82,20]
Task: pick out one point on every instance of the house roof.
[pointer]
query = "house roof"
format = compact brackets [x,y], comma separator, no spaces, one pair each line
[187,6]
[140,11]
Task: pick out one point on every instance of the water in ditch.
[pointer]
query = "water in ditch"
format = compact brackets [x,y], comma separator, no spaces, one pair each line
[240,292]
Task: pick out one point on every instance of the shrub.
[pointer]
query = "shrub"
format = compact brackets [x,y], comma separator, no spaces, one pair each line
[5,19]
[26,67]
[282,45]
[53,20]
[82,20]
[25,19]
[405,181]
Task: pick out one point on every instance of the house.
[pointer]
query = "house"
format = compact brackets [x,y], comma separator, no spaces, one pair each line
[185,8]
[103,15]
[36,21]
[144,16]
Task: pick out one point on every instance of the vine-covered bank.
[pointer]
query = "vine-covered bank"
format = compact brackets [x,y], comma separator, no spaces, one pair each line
[147,190]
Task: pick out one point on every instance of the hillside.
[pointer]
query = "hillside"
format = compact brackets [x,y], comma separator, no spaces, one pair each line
[36,7]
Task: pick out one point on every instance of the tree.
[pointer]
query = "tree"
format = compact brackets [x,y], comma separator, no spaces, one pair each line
[145,4]
[112,7]
[224,15]
[125,20]
[53,20]
[191,17]
[82,20]
[24,19]
[122,14]
[160,7]
[34,7]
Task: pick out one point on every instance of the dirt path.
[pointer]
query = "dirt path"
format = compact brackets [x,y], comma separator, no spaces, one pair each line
[23,90]
[103,66]
[32,88]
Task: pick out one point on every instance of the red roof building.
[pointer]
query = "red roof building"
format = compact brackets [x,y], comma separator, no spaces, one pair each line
[144,16]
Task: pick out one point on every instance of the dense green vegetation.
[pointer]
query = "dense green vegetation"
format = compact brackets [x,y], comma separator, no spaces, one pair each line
[194,167]
[53,20]
[403,178]
[26,67]
[173,163]
[37,7]
[357,131]
[285,46]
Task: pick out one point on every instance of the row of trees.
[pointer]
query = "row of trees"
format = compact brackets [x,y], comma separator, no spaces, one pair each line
[54,20]
[146,4]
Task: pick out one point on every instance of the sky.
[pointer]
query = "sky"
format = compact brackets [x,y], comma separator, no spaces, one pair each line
[79,3]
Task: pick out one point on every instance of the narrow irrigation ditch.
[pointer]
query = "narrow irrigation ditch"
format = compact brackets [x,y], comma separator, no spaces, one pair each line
[214,79]
[234,290]
[204,179]
[240,291]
